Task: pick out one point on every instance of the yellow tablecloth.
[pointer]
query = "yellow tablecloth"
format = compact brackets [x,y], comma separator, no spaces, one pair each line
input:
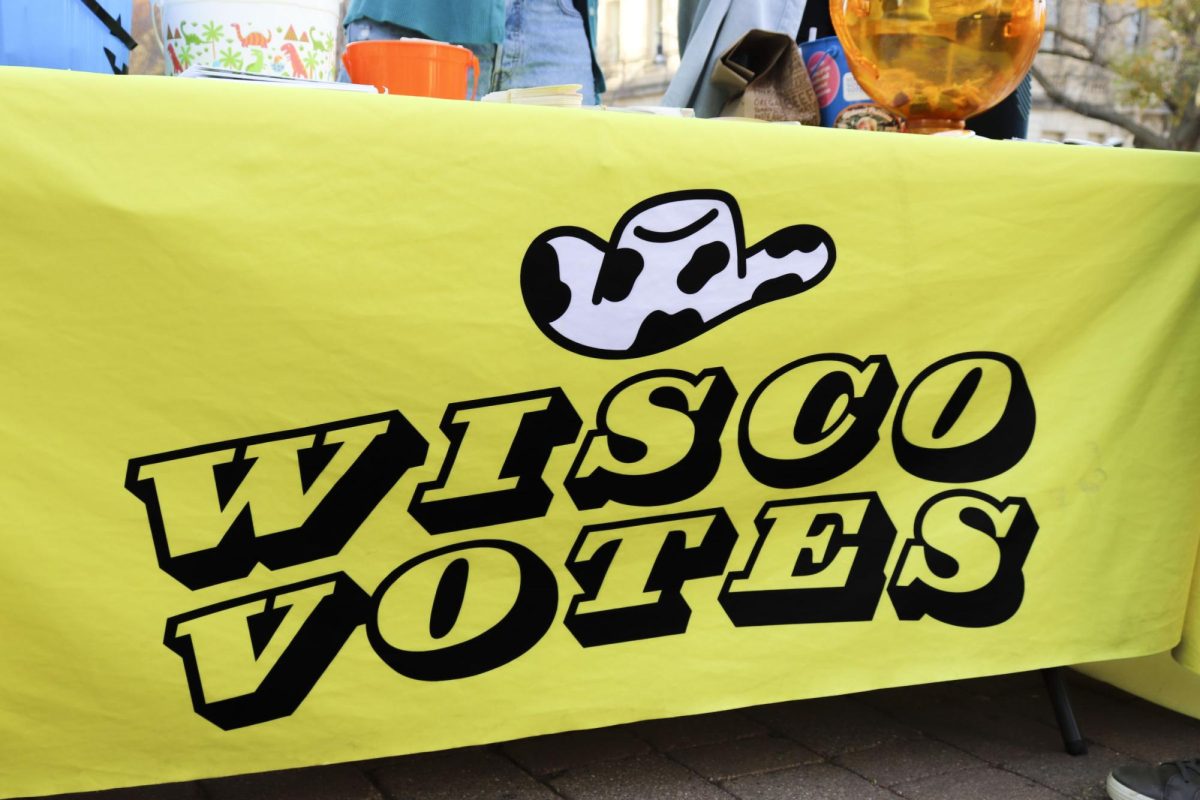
[337,426]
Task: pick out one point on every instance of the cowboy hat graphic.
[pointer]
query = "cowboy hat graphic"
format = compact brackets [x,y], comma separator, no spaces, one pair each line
[675,266]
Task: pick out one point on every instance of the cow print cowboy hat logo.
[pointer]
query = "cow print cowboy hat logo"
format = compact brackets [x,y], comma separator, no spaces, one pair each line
[675,266]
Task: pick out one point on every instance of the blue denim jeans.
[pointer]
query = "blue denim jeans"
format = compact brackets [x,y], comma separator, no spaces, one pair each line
[545,44]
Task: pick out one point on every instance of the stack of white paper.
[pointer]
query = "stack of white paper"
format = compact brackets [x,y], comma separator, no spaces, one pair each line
[564,96]
[218,73]
[658,111]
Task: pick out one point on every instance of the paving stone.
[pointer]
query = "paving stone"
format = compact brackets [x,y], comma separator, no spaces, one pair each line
[370,765]
[168,791]
[340,782]
[652,776]
[996,686]
[833,725]
[676,732]
[1036,703]
[724,760]
[816,782]
[772,752]
[1033,702]
[1089,697]
[457,775]
[985,783]
[544,755]
[910,699]
[956,691]
[998,745]
[904,698]
[1099,687]
[906,760]
[982,726]
[1022,693]
[1128,725]
[1073,775]
[1094,792]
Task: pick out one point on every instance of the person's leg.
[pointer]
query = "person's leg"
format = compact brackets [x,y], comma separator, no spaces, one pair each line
[1008,119]
[545,44]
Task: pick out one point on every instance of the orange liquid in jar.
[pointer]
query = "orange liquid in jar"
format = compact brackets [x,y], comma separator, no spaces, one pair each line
[937,60]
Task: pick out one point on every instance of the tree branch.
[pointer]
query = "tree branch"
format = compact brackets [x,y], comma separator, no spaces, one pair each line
[1093,55]
[1124,15]
[1187,136]
[1102,113]
[1087,59]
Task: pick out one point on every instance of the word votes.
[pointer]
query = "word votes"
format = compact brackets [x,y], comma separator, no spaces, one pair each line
[292,497]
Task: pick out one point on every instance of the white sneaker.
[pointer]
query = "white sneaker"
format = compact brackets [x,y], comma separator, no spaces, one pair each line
[1172,780]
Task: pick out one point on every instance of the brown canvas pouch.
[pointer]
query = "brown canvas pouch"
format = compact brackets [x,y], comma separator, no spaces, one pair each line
[766,79]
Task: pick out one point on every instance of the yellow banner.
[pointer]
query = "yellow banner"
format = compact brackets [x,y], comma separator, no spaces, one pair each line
[1188,652]
[338,426]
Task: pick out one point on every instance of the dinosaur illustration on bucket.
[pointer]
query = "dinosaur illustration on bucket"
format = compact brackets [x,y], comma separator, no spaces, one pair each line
[252,39]
[257,64]
[175,65]
[190,38]
[293,55]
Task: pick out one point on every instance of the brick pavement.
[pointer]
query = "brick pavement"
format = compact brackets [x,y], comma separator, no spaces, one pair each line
[990,739]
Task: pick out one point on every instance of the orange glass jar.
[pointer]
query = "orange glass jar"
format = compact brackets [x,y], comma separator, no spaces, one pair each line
[938,62]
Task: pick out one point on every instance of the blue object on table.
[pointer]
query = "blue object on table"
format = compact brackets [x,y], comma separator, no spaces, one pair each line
[85,35]
[827,68]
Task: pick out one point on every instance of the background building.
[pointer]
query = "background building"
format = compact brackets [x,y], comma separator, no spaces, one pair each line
[1086,27]
[638,46]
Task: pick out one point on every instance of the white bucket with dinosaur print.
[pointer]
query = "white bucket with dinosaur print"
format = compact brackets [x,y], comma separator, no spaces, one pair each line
[296,39]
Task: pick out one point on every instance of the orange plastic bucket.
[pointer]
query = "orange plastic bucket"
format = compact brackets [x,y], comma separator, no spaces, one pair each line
[413,66]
